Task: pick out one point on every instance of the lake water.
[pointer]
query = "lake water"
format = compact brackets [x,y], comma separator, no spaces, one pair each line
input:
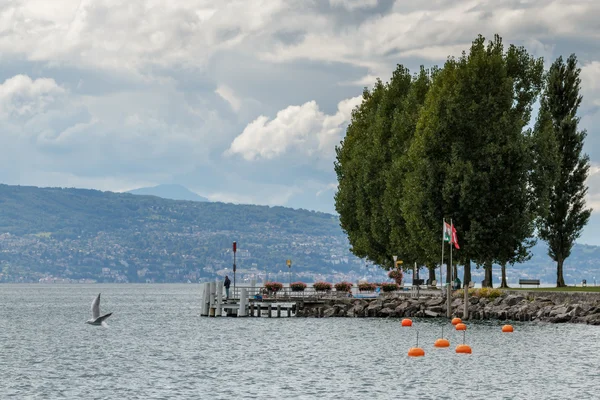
[158,347]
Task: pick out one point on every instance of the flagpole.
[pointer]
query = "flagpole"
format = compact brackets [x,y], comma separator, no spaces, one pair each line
[451,239]
[442,263]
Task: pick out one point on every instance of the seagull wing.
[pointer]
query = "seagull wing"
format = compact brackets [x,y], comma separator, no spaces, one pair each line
[96,307]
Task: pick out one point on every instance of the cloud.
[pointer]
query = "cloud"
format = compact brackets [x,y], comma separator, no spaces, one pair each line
[21,96]
[593,182]
[303,130]
[228,95]
[352,5]
[242,99]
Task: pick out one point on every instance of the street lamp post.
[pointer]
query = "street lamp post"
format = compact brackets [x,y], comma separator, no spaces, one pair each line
[234,267]
[289,264]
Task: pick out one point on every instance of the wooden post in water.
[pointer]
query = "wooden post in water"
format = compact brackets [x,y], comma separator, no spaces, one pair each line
[243,302]
[211,311]
[278,310]
[219,306]
[252,309]
[204,303]
[466,305]
[269,310]
[289,311]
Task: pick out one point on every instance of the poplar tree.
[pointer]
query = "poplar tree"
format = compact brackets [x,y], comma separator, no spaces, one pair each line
[561,168]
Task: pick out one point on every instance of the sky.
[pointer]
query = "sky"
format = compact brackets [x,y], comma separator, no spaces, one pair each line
[241,101]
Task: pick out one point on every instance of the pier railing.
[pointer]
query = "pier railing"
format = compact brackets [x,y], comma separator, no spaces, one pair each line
[311,294]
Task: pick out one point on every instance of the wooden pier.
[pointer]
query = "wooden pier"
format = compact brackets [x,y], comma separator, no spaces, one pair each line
[256,301]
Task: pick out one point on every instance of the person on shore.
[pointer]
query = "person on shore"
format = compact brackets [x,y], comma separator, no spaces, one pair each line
[227,284]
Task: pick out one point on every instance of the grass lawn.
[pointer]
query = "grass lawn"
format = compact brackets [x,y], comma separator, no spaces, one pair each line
[564,289]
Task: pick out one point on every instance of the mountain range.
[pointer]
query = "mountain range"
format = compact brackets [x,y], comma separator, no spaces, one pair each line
[66,234]
[169,191]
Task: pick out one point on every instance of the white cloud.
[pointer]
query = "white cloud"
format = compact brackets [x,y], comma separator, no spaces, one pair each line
[228,95]
[353,4]
[304,129]
[593,182]
[22,96]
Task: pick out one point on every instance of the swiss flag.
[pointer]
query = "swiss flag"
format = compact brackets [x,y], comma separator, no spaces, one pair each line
[454,238]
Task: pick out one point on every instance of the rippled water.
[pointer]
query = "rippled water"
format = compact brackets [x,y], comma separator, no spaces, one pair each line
[158,347]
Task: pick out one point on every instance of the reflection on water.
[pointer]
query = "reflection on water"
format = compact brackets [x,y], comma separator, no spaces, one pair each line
[157,346]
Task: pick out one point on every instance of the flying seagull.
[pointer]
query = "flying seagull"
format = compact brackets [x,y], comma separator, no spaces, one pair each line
[96,318]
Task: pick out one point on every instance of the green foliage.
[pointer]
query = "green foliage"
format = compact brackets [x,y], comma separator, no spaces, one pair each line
[377,138]
[468,160]
[487,293]
[561,168]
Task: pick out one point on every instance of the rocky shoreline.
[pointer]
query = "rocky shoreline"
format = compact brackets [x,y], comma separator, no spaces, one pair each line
[521,306]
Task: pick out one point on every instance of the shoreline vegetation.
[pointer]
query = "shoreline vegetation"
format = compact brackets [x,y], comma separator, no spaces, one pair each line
[553,306]
[454,148]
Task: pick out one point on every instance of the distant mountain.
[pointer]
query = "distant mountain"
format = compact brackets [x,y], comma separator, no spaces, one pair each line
[120,237]
[75,234]
[169,191]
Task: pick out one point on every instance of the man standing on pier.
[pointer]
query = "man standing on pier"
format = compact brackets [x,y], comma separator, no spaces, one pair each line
[227,283]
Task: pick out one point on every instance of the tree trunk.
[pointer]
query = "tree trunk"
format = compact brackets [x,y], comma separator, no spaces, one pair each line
[504,284]
[455,271]
[488,280]
[467,275]
[560,281]
[431,274]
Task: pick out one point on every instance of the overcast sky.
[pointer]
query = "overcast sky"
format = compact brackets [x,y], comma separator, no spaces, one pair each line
[240,101]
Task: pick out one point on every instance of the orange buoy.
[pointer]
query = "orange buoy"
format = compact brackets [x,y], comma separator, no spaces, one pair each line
[463,349]
[507,328]
[406,322]
[416,352]
[456,321]
[461,327]
[441,342]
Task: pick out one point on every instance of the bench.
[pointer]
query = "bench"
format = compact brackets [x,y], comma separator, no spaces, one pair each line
[529,282]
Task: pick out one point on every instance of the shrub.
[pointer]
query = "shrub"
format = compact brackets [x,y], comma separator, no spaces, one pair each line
[390,286]
[322,286]
[298,286]
[397,275]
[343,286]
[367,286]
[273,286]
[488,293]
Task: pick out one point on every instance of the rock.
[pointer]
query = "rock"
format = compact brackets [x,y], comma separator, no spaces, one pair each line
[431,314]
[558,310]
[435,302]
[437,309]
[387,312]
[593,319]
[374,308]
[330,312]
[474,300]
[498,301]
[560,318]
[456,303]
[512,299]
